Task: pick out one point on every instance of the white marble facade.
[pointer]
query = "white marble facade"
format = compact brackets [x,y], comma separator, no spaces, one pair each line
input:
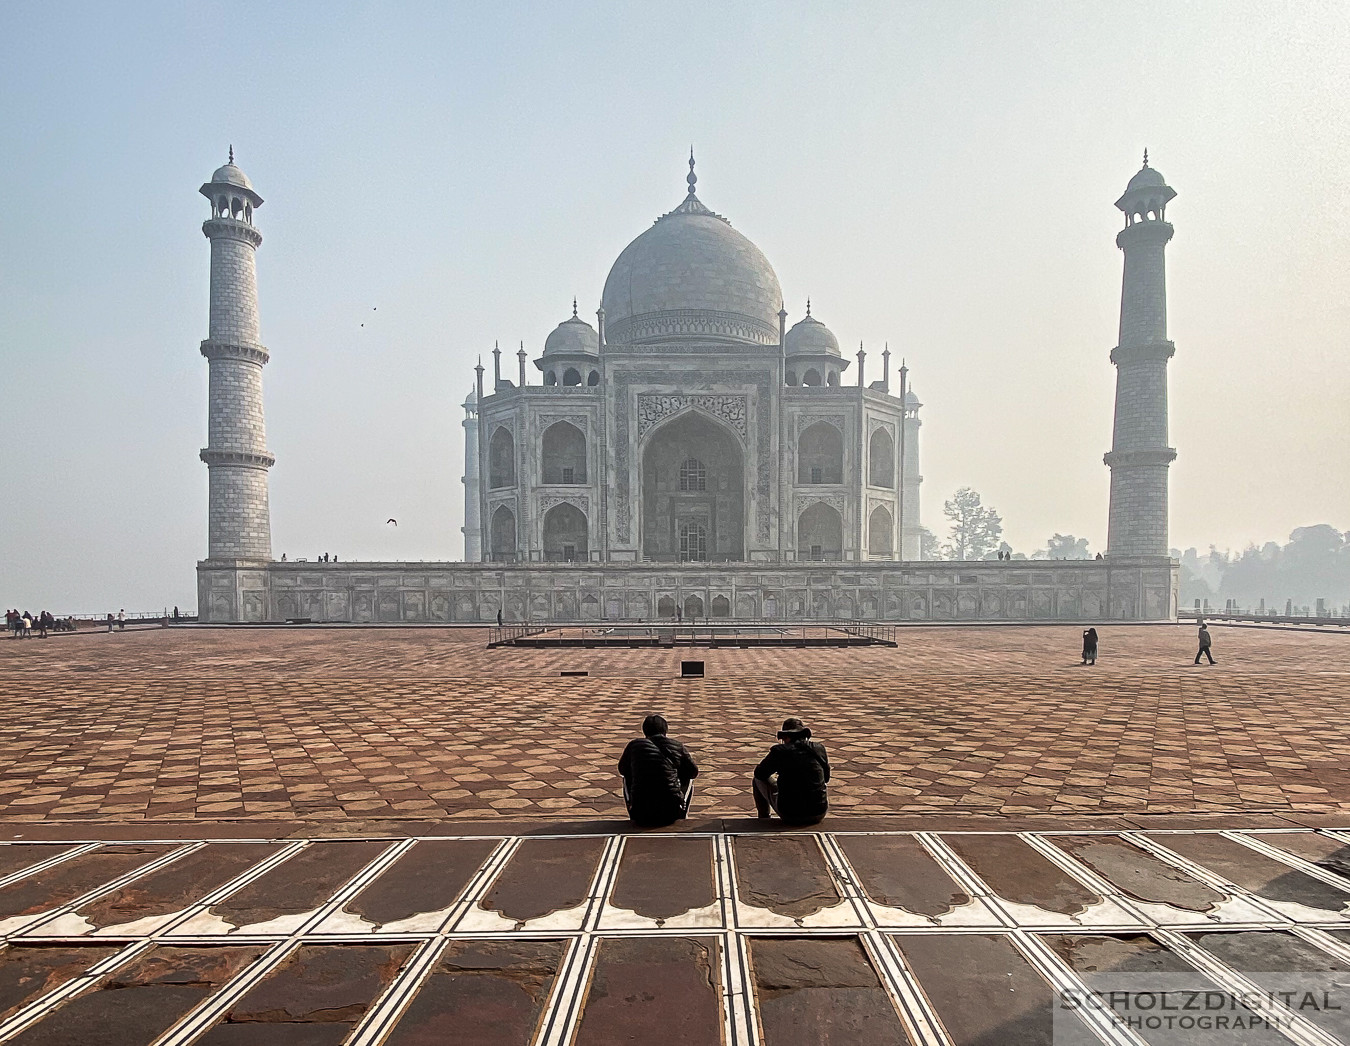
[690,424]
[688,454]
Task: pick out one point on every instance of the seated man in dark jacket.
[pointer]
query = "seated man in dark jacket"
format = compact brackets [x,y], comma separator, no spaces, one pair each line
[803,769]
[658,776]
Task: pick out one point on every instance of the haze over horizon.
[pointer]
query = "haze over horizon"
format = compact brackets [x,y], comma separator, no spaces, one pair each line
[939,178]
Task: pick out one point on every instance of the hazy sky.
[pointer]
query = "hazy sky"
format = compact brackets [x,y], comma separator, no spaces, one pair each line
[940,175]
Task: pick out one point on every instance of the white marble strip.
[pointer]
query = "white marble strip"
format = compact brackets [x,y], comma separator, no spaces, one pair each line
[40,1007]
[197,1020]
[564,1004]
[477,887]
[1290,1023]
[215,1006]
[739,1016]
[724,882]
[911,1005]
[1097,1016]
[42,866]
[389,1008]
[1292,860]
[969,882]
[1265,913]
[26,923]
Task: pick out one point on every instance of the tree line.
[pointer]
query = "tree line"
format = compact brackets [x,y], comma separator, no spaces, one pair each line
[1314,564]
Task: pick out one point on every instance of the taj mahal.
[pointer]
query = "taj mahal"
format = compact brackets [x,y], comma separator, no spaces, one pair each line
[691,454]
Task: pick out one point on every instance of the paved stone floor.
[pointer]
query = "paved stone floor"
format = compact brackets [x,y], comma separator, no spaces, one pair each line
[874,939]
[357,725]
[255,836]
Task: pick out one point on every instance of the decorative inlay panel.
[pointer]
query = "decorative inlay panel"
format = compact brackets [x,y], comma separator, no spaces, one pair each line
[579,501]
[839,421]
[625,439]
[654,407]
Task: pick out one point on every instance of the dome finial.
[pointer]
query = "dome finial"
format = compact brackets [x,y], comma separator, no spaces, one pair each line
[231,153]
[1145,157]
[691,177]
[574,307]
[808,308]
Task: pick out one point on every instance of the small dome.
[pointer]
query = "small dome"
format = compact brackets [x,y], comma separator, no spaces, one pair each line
[1147,178]
[471,400]
[810,337]
[573,335]
[231,175]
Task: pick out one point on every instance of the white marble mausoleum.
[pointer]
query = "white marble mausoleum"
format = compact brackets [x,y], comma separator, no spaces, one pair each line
[692,452]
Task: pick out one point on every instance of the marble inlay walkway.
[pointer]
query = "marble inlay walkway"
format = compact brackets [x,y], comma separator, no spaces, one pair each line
[934,938]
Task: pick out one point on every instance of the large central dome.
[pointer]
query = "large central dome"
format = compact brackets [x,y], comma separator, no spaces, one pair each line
[691,275]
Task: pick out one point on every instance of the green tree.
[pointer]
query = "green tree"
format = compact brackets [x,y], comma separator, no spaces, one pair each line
[929,546]
[1063,546]
[976,530]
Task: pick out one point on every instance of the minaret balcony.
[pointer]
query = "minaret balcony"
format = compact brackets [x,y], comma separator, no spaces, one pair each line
[231,229]
[224,350]
[1145,458]
[1143,352]
[237,457]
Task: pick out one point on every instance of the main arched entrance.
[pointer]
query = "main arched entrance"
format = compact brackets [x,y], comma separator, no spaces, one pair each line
[693,492]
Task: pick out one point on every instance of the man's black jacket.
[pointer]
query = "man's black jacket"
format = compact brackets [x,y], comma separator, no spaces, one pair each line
[803,769]
[657,770]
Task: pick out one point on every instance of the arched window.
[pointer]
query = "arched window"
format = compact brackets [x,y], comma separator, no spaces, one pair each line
[571,377]
[721,606]
[562,454]
[693,607]
[503,535]
[881,459]
[820,454]
[693,475]
[833,379]
[565,538]
[879,528]
[502,459]
[550,377]
[223,207]
[593,378]
[820,533]
[236,206]
[693,542]
[792,378]
[811,377]
[665,607]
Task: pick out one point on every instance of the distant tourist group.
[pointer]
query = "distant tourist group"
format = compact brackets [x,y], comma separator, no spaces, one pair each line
[22,625]
[658,777]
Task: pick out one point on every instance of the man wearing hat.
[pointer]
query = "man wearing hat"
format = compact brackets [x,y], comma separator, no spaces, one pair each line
[658,776]
[799,796]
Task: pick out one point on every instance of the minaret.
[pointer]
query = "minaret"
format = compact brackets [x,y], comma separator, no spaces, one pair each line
[236,448]
[1139,454]
[473,526]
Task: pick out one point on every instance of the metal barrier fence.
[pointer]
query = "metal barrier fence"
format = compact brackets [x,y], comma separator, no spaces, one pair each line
[704,633]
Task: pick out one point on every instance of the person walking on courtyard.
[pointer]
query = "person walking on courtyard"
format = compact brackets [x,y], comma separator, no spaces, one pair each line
[1090,647]
[12,623]
[499,619]
[121,620]
[44,619]
[1204,644]
[175,615]
[658,776]
[110,621]
[799,796]
[27,622]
